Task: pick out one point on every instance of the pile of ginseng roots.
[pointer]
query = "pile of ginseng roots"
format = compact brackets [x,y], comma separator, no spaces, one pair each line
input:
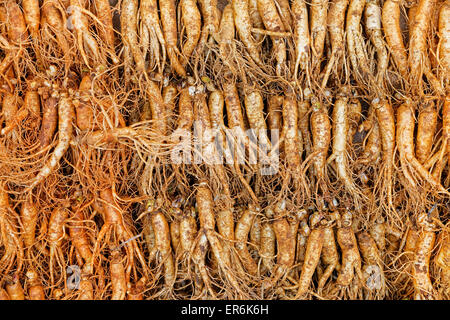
[214,149]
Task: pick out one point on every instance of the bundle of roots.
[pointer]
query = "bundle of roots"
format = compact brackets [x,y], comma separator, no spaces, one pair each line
[260,149]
